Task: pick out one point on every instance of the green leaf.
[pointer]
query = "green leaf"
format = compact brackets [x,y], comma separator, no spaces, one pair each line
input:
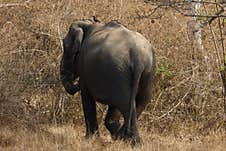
[165,69]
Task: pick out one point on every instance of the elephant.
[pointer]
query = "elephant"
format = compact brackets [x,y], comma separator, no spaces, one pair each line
[115,66]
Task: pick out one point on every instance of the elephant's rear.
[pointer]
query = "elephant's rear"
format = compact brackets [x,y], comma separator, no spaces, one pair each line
[145,53]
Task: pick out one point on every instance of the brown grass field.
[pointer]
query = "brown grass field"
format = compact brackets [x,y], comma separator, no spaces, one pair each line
[186,112]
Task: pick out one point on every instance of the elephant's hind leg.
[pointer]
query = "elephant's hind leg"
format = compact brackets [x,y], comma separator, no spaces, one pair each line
[112,121]
[129,131]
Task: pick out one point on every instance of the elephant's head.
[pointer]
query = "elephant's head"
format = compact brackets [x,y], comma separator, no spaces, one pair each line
[69,63]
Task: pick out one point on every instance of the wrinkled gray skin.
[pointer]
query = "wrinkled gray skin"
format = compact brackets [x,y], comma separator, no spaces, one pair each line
[116,67]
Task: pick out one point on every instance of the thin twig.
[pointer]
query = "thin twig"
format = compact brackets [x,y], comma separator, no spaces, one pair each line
[42,33]
[215,44]
[223,72]
[211,17]
[15,4]
[177,6]
[218,60]
[157,100]
[174,107]
[150,14]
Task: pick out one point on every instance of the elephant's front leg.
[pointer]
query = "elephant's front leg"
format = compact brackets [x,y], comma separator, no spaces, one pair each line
[89,108]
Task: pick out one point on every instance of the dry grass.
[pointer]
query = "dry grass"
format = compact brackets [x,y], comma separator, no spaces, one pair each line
[54,138]
[186,112]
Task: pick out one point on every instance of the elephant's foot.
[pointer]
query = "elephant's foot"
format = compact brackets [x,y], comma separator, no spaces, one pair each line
[92,131]
[129,135]
[113,127]
[90,135]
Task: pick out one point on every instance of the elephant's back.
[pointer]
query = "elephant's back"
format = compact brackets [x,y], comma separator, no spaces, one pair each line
[110,44]
[113,47]
[107,53]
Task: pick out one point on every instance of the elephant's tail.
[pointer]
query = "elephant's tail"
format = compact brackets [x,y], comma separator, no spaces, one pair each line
[136,72]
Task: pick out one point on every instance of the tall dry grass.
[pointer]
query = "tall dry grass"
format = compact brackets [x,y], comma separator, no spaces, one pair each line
[186,111]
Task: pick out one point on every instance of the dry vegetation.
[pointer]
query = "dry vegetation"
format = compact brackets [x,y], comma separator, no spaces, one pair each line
[186,113]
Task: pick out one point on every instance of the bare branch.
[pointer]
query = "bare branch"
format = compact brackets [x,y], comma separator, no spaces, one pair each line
[180,7]
[217,15]
[15,4]
[173,108]
[149,15]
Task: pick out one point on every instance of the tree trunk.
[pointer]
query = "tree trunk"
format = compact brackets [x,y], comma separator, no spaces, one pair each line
[195,33]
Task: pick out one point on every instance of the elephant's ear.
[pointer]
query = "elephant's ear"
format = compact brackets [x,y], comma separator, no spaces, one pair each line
[75,36]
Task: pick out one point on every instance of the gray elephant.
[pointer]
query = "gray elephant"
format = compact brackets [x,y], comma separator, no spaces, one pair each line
[116,67]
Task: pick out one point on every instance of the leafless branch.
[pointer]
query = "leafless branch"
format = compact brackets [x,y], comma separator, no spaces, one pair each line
[15,4]
[150,14]
[180,7]
[216,15]
[174,107]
